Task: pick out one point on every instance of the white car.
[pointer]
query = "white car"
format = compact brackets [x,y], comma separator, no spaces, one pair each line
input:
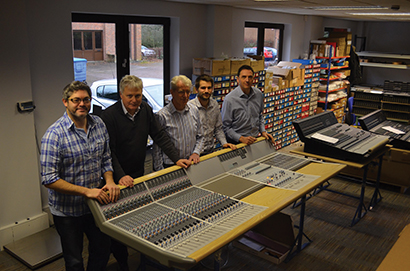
[147,52]
[104,93]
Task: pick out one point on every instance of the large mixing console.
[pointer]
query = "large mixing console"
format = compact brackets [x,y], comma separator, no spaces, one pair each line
[323,135]
[169,215]
[376,122]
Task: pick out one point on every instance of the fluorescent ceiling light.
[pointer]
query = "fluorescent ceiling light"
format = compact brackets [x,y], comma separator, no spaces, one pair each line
[347,7]
[271,0]
[380,14]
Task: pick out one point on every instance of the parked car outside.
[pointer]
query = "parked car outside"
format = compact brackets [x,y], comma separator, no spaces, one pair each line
[104,93]
[268,52]
[147,52]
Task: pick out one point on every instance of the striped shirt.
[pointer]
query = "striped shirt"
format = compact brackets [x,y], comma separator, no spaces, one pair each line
[185,130]
[77,157]
[211,121]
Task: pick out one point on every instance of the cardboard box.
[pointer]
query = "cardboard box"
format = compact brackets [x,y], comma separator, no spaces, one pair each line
[290,71]
[270,240]
[212,67]
[236,63]
[348,39]
[280,82]
[257,63]
[394,162]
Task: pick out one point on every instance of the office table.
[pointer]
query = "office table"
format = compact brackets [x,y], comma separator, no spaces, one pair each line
[361,210]
[269,199]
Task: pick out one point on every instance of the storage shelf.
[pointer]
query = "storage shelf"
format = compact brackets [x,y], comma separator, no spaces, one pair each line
[383,55]
[335,68]
[388,102]
[335,100]
[330,91]
[366,100]
[365,107]
[383,65]
[331,79]
[397,111]
[334,57]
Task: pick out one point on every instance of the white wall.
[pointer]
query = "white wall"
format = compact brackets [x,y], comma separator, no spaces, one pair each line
[36,63]
[20,189]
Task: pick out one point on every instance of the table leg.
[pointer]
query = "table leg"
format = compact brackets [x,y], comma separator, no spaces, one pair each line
[359,214]
[377,196]
[299,238]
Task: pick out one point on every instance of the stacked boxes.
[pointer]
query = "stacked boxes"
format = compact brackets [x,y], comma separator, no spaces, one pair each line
[340,41]
[288,74]
[212,67]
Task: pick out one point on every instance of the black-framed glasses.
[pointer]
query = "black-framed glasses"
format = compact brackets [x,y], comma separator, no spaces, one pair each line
[76,101]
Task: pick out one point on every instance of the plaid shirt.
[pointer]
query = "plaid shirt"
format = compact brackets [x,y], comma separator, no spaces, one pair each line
[70,154]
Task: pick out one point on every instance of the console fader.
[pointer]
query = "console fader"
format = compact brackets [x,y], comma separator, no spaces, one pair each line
[169,219]
[168,214]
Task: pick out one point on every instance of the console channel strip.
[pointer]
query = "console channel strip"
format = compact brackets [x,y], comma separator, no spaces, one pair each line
[212,207]
[168,184]
[286,161]
[274,176]
[130,198]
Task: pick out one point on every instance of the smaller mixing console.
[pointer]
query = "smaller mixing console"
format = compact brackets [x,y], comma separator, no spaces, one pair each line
[273,176]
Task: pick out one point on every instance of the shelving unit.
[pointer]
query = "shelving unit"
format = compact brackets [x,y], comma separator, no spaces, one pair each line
[395,106]
[376,55]
[338,103]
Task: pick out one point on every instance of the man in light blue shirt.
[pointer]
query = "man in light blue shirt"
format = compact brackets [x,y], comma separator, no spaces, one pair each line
[242,111]
[182,123]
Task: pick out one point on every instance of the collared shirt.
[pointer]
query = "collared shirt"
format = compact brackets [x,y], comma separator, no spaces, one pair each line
[185,130]
[211,122]
[131,117]
[77,157]
[242,114]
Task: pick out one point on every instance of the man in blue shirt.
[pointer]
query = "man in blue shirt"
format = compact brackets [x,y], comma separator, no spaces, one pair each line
[75,155]
[242,110]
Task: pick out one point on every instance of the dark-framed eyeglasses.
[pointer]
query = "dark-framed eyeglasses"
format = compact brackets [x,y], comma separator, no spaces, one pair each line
[76,101]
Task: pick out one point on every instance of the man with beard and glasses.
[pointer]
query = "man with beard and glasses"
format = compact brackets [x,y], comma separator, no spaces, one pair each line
[76,164]
[210,114]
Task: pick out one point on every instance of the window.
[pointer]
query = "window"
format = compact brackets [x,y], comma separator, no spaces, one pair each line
[264,39]
[115,46]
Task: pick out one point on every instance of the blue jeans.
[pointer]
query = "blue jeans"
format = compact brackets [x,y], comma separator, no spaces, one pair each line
[71,231]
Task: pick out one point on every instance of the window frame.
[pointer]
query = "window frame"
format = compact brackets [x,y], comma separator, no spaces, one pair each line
[261,36]
[122,39]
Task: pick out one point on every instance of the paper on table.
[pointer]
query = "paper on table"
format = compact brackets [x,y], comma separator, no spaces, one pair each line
[393,130]
[325,138]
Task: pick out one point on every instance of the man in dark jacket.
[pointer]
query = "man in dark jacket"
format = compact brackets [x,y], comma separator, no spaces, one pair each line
[129,122]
